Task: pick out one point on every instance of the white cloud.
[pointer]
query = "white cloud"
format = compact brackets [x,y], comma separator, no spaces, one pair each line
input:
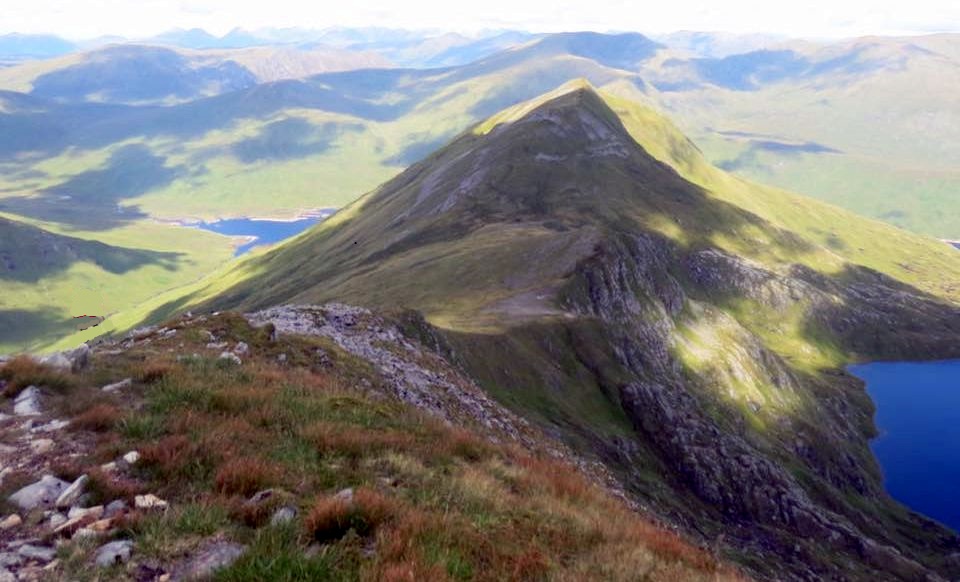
[829,18]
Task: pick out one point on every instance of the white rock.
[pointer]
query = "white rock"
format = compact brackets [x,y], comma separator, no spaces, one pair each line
[283,516]
[72,493]
[58,361]
[86,532]
[115,508]
[41,446]
[114,553]
[125,383]
[94,512]
[345,495]
[10,522]
[241,348]
[42,493]
[131,458]
[10,559]
[56,520]
[80,358]
[6,576]
[27,402]
[38,553]
[149,501]
[215,557]
[231,358]
[52,426]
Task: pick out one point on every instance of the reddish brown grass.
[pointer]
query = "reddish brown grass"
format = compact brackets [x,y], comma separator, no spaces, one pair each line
[245,476]
[331,517]
[465,445]
[168,453]
[559,479]
[413,570]
[151,373]
[530,565]
[104,487]
[355,442]
[100,418]
[23,371]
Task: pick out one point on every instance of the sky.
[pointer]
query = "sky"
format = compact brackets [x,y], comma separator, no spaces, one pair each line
[811,18]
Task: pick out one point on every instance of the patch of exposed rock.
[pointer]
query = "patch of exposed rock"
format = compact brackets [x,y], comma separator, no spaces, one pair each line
[414,374]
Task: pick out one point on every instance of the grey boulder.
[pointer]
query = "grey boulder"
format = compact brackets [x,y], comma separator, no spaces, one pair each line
[114,553]
[43,493]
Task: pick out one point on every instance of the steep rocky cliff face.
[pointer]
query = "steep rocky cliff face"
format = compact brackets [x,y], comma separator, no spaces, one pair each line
[791,485]
[657,316]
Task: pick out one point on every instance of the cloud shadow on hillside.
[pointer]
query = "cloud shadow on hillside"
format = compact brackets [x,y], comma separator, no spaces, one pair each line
[92,200]
[290,139]
[29,254]
[29,326]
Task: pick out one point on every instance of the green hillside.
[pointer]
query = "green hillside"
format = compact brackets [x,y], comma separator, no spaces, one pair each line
[579,257]
[49,277]
[868,124]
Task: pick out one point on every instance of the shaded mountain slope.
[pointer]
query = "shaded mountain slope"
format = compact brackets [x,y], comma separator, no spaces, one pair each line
[577,257]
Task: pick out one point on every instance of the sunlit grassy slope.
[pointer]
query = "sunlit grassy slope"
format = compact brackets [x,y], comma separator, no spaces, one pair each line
[469,275]
[49,276]
[868,124]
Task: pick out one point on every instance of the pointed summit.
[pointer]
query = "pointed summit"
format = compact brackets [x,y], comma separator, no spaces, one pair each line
[578,93]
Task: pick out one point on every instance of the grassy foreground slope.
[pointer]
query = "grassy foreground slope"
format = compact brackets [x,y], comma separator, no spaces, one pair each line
[583,262]
[378,490]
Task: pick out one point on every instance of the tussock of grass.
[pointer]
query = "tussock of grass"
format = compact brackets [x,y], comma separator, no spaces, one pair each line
[100,418]
[24,371]
[245,476]
[332,517]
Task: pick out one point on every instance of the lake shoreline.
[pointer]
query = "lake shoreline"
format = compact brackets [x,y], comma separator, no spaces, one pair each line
[249,233]
[917,417]
[323,213]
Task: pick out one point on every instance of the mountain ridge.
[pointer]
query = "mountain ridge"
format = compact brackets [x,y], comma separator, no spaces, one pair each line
[651,311]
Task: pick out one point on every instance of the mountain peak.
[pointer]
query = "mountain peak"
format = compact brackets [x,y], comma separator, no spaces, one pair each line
[577,93]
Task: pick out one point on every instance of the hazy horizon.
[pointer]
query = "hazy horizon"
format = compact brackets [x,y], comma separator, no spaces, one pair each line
[819,19]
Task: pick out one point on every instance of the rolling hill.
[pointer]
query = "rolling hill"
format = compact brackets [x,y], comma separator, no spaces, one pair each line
[579,257]
[18,47]
[869,124]
[148,75]
[49,277]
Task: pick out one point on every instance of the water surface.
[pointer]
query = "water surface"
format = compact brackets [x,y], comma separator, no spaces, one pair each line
[265,231]
[918,414]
